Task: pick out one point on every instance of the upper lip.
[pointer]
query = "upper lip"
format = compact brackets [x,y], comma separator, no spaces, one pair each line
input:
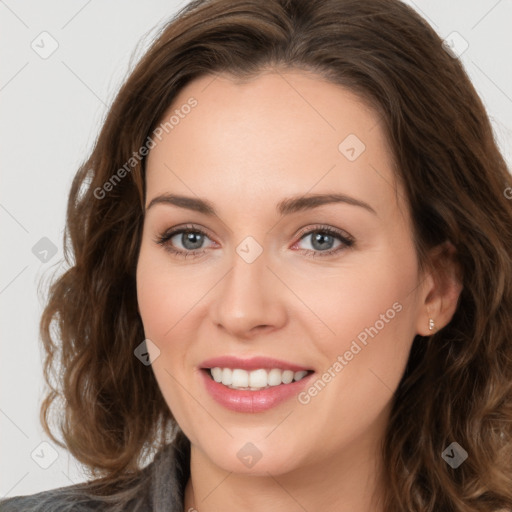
[252,363]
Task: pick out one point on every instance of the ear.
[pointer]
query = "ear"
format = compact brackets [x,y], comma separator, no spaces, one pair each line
[441,288]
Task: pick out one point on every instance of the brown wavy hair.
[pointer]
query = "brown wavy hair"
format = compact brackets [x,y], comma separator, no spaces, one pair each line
[458,383]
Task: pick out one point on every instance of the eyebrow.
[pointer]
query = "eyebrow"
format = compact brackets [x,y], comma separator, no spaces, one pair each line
[284,207]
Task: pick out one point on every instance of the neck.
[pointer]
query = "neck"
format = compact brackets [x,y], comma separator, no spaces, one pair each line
[346,482]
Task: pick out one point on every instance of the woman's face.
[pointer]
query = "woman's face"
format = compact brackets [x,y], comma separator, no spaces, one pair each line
[297,262]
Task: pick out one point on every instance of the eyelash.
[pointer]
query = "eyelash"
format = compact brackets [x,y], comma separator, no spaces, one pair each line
[345,239]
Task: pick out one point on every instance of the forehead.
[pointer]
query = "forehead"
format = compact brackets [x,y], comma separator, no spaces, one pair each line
[281,133]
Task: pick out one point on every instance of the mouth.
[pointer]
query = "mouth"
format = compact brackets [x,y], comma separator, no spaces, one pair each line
[252,385]
[255,380]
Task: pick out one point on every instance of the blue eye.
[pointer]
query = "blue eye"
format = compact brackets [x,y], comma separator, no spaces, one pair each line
[190,238]
[325,241]
[188,241]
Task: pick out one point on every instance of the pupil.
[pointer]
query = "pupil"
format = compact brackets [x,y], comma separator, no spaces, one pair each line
[192,240]
[320,239]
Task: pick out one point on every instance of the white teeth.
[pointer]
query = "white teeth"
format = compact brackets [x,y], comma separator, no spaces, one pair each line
[274,377]
[287,376]
[217,374]
[258,379]
[299,375]
[240,378]
[255,380]
[227,376]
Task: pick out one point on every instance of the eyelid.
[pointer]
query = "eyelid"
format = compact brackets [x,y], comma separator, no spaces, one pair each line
[169,233]
[325,228]
[345,239]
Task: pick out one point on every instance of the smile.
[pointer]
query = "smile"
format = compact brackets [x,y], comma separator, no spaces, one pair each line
[262,378]
[252,385]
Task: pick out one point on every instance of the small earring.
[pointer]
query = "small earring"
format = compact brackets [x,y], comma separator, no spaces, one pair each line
[431,324]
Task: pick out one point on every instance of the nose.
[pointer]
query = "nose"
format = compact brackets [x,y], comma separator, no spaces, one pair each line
[249,300]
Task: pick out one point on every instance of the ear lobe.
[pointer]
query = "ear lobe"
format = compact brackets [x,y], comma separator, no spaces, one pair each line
[443,285]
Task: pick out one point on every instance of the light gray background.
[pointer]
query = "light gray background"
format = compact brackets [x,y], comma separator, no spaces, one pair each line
[51,112]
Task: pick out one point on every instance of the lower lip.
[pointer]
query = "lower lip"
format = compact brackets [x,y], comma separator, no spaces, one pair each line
[252,401]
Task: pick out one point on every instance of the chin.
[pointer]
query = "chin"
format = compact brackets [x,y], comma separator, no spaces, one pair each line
[257,458]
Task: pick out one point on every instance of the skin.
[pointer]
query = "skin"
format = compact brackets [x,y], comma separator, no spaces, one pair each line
[245,147]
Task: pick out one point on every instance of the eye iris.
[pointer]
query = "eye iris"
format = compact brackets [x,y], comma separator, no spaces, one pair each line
[191,240]
[320,239]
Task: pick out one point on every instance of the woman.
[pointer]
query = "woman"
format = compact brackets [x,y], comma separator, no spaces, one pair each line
[290,274]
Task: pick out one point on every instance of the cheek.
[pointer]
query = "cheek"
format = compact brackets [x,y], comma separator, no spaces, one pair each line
[371,310]
[171,301]
[166,295]
[156,304]
[161,308]
[365,293]
[164,299]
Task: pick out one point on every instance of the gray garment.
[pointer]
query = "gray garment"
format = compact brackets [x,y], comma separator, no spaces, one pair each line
[159,487]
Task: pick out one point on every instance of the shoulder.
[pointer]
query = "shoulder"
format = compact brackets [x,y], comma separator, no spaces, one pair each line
[159,484]
[129,494]
[133,495]
[63,499]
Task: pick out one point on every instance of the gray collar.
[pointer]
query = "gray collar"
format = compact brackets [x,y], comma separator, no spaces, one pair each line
[169,474]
